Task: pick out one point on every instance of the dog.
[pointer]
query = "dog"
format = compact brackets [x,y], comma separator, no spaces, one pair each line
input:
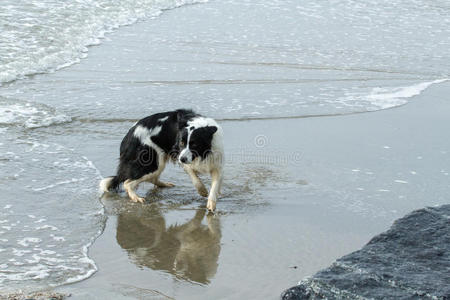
[182,135]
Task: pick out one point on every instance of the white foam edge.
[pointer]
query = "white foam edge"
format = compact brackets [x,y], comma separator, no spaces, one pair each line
[87,259]
[400,94]
[93,41]
[85,248]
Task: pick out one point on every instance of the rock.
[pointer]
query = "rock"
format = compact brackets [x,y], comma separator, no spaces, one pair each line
[409,261]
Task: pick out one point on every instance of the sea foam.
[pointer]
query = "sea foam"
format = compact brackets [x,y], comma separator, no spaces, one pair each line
[29,114]
[387,98]
[46,36]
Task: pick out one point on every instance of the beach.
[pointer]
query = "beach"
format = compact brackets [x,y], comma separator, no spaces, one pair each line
[331,204]
[307,179]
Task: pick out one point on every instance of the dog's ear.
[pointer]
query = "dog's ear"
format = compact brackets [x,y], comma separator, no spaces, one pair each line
[179,115]
[181,119]
[211,130]
[203,134]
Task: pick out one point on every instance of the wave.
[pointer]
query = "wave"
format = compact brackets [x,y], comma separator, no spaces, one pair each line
[386,97]
[370,101]
[40,37]
[29,114]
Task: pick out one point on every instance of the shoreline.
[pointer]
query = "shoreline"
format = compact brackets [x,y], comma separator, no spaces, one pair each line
[101,34]
[318,188]
[101,280]
[399,262]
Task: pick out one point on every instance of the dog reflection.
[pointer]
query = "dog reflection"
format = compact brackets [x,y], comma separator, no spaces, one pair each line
[189,251]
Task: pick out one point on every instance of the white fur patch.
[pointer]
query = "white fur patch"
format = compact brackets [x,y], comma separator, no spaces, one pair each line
[144,134]
[145,137]
[201,122]
[105,183]
[186,153]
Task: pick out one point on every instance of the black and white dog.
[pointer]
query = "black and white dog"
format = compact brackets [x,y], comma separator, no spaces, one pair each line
[195,141]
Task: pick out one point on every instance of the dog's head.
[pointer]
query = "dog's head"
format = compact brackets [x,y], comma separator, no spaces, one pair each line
[195,142]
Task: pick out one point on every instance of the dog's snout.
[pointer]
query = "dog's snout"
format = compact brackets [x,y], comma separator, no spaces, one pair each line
[183,159]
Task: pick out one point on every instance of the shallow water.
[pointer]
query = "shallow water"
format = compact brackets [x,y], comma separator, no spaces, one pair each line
[38,37]
[41,182]
[312,59]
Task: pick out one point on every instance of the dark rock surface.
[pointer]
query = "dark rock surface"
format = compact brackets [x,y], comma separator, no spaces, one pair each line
[409,261]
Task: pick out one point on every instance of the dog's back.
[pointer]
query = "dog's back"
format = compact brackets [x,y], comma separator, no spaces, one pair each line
[145,148]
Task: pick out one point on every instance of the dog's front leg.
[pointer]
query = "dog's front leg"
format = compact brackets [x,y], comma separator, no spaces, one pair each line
[197,182]
[216,179]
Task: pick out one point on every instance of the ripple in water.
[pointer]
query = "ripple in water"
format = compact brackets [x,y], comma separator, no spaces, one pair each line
[49,214]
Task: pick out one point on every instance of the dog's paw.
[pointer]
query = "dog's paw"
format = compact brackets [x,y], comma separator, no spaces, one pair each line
[211,205]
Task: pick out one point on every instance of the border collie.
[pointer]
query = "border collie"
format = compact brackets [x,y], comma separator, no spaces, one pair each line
[182,135]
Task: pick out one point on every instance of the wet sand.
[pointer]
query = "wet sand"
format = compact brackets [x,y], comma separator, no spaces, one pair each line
[278,221]
[298,193]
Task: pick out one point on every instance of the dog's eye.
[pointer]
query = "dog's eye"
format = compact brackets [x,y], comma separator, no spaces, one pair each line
[182,144]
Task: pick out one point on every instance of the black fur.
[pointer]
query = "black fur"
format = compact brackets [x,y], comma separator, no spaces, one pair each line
[137,159]
[200,141]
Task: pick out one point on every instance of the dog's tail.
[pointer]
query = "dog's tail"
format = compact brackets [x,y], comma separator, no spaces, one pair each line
[109,184]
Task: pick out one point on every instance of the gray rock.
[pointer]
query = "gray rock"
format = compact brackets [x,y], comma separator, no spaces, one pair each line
[409,261]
